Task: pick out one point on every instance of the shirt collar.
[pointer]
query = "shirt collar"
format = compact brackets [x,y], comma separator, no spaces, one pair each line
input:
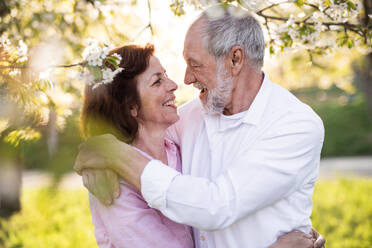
[256,110]
[251,116]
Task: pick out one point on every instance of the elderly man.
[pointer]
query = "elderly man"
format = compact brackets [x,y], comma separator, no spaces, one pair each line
[250,149]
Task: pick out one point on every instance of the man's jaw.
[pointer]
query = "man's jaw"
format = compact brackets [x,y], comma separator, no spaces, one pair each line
[203,90]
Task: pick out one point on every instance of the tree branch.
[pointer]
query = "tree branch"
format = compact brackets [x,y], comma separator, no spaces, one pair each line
[30,67]
[149,24]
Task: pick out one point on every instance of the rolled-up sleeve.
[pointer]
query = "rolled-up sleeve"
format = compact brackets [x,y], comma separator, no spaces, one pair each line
[259,176]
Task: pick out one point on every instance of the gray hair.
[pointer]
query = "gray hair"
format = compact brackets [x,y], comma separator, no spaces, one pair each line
[232,26]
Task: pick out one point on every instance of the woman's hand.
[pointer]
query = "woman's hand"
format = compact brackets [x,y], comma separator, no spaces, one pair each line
[103,184]
[300,240]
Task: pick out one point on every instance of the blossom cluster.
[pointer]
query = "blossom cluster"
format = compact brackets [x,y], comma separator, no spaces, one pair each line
[96,58]
[299,33]
[20,52]
[93,54]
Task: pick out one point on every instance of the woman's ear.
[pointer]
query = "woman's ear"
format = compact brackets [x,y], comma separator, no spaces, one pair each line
[134,111]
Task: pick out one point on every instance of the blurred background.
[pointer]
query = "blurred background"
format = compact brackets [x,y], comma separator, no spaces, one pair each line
[325,59]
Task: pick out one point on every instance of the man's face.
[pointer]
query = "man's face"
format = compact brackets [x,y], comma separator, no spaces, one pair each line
[205,73]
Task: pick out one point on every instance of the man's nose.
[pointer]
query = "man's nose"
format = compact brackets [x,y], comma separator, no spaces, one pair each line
[189,77]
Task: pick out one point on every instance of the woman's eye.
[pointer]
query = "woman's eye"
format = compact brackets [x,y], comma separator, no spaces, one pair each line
[157,82]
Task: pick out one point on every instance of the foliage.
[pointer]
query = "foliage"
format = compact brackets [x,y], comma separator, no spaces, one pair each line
[348,129]
[343,212]
[39,103]
[64,157]
[50,218]
[348,126]
[48,25]
[61,218]
[305,23]
[31,94]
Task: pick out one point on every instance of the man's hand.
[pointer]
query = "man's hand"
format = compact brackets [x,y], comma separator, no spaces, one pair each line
[98,152]
[300,240]
[319,239]
[107,152]
[103,184]
[294,240]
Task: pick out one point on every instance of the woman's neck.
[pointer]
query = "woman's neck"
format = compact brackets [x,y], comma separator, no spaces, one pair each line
[151,141]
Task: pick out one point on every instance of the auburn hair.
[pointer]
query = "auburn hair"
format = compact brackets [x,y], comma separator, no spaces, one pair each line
[107,108]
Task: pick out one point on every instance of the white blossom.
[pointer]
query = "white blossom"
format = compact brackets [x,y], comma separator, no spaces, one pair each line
[22,51]
[116,56]
[5,43]
[93,54]
[15,72]
[45,75]
[108,75]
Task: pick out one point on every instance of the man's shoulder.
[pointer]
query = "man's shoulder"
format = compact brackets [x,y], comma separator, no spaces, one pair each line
[191,115]
[191,107]
[286,105]
[191,111]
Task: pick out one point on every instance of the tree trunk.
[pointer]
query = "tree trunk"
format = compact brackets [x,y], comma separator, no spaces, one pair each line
[10,187]
[363,78]
[368,81]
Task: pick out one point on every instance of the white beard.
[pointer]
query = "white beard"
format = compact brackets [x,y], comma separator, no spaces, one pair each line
[218,98]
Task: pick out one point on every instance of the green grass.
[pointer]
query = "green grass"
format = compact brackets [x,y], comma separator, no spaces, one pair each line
[342,213]
[50,218]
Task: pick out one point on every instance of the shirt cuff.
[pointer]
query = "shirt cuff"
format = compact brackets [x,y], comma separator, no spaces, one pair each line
[155,181]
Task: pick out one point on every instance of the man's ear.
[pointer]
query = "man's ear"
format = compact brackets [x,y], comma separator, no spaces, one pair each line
[236,59]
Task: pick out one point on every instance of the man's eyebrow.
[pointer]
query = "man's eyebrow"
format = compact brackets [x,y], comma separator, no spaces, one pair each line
[191,60]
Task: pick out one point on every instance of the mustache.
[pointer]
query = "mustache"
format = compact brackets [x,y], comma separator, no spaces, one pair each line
[200,86]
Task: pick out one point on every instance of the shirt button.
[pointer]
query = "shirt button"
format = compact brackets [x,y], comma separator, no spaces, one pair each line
[202,238]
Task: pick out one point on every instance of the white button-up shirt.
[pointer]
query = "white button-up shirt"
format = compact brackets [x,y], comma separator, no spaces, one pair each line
[247,178]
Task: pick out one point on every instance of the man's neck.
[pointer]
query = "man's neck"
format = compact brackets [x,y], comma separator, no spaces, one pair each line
[246,88]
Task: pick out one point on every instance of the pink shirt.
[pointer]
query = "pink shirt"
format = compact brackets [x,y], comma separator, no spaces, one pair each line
[131,223]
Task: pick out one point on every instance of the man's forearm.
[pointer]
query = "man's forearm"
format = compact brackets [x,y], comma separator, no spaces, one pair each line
[130,165]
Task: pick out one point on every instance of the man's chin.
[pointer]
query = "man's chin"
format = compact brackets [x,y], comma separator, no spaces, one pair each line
[203,97]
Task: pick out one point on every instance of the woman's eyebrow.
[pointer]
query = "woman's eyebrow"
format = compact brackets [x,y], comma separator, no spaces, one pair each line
[158,74]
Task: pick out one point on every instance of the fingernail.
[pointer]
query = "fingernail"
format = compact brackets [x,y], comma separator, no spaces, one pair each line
[116,194]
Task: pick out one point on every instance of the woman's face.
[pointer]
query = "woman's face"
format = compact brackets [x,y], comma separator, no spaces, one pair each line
[157,97]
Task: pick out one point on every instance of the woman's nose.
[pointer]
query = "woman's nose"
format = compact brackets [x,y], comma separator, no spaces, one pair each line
[172,86]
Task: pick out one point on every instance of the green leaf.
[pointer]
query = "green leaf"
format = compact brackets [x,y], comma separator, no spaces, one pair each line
[17,136]
[351,5]
[271,49]
[350,43]
[327,3]
[113,61]
[299,3]
[96,71]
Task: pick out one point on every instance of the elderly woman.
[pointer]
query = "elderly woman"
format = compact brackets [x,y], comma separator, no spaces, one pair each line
[137,107]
